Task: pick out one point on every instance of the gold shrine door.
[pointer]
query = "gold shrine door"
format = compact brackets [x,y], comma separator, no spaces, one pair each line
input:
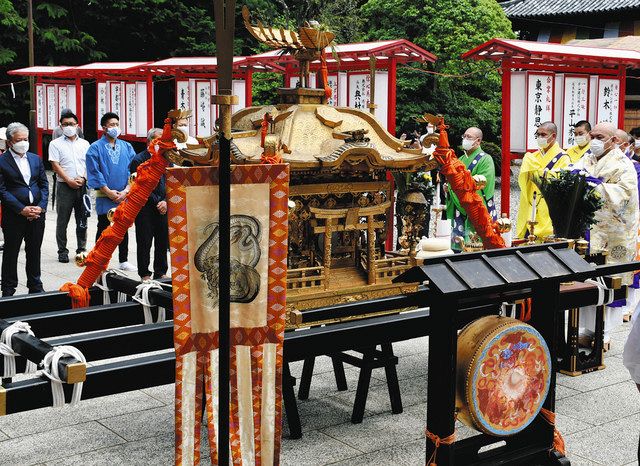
[343,221]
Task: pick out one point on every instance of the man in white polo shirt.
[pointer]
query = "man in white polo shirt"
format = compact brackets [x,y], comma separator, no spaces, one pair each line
[67,155]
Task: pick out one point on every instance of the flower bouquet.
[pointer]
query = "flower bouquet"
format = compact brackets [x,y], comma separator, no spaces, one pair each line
[572,200]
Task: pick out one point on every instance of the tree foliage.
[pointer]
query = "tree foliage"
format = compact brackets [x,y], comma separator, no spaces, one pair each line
[446,28]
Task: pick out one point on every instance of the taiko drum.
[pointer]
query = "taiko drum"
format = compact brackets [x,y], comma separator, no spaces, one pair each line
[503,375]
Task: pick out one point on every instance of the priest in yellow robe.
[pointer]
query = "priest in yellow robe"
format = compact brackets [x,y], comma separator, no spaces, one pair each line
[535,165]
[582,139]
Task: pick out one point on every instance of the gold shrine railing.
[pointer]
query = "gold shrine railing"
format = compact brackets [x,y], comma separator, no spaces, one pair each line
[306,277]
[385,268]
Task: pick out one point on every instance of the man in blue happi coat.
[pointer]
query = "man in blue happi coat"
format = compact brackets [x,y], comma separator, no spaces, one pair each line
[108,173]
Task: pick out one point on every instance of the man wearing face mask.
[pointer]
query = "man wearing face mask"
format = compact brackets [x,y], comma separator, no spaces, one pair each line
[24,191]
[480,165]
[582,139]
[183,125]
[635,134]
[108,162]
[67,155]
[616,227]
[535,165]
[58,130]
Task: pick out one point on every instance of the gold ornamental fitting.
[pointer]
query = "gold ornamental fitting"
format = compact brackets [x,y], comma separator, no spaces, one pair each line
[76,373]
[81,259]
[111,214]
[581,246]
[178,114]
[132,177]
[504,224]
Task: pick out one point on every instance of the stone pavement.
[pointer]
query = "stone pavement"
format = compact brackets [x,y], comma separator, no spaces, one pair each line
[598,413]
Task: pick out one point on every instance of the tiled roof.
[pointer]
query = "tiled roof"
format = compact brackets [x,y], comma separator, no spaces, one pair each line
[531,8]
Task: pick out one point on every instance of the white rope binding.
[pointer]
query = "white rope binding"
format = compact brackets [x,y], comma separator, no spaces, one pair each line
[101,283]
[6,349]
[508,309]
[142,296]
[605,295]
[50,369]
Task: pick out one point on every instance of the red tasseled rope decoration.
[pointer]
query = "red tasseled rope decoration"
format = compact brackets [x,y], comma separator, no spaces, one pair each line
[267,159]
[149,174]
[325,76]
[464,186]
[264,128]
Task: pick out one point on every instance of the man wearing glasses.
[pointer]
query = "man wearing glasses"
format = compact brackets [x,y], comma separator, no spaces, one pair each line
[67,155]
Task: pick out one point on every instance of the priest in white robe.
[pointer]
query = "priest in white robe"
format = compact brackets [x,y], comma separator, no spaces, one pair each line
[616,229]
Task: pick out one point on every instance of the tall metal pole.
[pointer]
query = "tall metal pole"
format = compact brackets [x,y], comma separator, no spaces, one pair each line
[224,12]
[32,99]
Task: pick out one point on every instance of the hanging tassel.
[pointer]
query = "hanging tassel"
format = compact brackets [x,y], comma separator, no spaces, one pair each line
[328,92]
[264,128]
[437,441]
[79,295]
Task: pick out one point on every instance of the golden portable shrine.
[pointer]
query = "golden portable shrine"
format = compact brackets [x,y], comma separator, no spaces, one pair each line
[340,197]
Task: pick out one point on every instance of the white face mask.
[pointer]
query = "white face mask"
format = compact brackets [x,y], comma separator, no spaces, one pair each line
[429,129]
[582,140]
[636,143]
[543,143]
[467,144]
[69,131]
[184,129]
[20,147]
[597,147]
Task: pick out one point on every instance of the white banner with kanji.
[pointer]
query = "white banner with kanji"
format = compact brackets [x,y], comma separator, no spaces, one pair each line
[575,106]
[52,106]
[130,109]
[608,100]
[539,104]
[40,106]
[359,90]
[102,102]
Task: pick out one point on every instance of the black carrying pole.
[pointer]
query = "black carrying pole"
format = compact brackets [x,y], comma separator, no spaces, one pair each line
[224,12]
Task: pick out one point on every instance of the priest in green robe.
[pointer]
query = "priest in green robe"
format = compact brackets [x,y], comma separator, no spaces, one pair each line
[480,164]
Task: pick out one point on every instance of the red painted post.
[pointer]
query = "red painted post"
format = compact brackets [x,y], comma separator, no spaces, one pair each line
[391,104]
[622,73]
[505,186]
[391,127]
[149,102]
[78,83]
[248,87]
[39,142]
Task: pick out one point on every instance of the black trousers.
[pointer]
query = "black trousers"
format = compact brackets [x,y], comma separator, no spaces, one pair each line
[152,227]
[17,228]
[123,248]
[69,200]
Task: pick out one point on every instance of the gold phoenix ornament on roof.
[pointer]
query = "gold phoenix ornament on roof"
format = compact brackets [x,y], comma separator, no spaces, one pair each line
[306,45]
[308,38]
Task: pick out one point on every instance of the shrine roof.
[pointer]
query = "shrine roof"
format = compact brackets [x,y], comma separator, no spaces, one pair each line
[544,52]
[400,49]
[534,8]
[43,71]
[91,70]
[201,64]
[316,137]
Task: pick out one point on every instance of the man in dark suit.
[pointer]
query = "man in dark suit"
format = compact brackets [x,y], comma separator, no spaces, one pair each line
[24,191]
[152,224]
